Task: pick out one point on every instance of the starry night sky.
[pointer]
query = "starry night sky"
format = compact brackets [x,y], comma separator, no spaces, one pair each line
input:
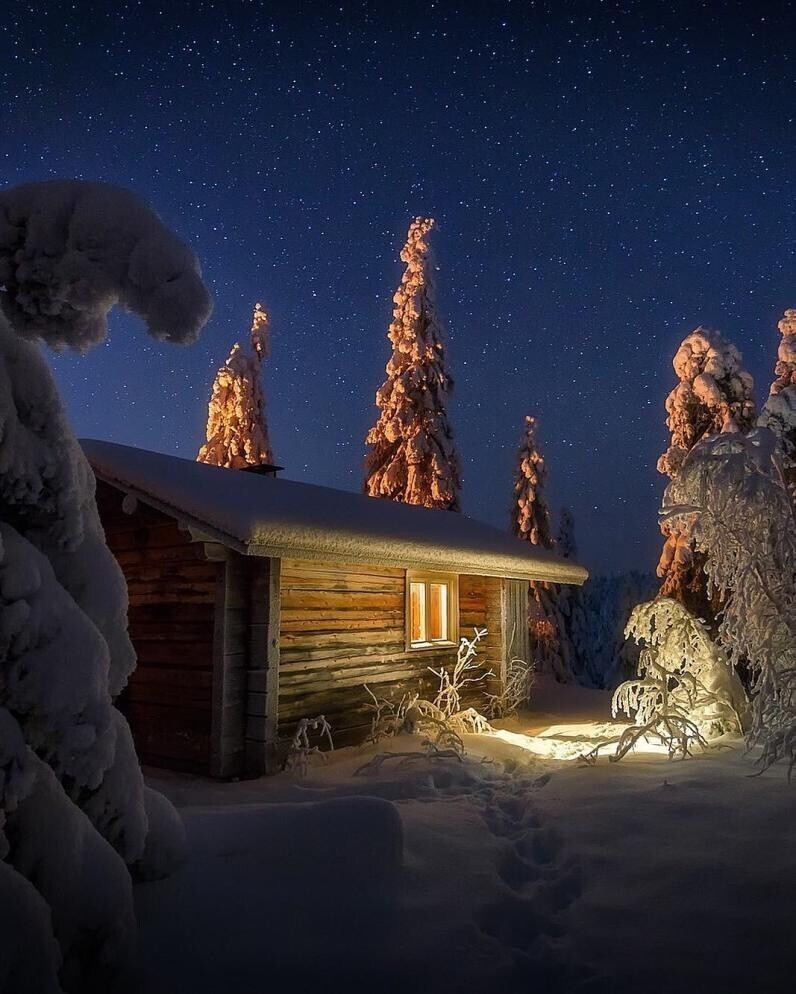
[606,176]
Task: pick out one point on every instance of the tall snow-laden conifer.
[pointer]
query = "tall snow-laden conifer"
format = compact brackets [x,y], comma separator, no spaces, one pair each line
[412,457]
[779,412]
[237,430]
[530,520]
[714,395]
[530,517]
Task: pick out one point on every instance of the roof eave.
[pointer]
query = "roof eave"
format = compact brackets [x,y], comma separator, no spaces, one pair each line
[431,558]
[212,533]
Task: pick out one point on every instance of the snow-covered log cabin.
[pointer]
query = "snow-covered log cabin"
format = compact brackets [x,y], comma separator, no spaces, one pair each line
[256,601]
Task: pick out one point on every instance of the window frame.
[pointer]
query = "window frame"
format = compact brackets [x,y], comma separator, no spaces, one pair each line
[427,577]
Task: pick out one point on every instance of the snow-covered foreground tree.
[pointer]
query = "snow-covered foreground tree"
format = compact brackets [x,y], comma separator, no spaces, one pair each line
[731,496]
[412,457]
[686,691]
[237,430]
[530,521]
[74,811]
[714,395]
[779,412]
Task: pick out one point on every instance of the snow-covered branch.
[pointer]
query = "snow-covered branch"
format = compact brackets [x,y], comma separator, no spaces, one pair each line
[731,493]
[70,250]
[72,795]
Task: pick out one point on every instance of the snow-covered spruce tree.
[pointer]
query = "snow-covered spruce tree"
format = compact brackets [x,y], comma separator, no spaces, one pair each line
[731,495]
[530,520]
[571,605]
[530,516]
[74,810]
[779,411]
[412,457]
[598,634]
[237,430]
[714,395]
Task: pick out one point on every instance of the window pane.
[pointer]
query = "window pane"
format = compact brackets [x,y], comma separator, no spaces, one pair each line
[417,612]
[438,622]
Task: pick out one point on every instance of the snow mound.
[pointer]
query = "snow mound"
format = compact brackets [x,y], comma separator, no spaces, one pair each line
[165,844]
[30,957]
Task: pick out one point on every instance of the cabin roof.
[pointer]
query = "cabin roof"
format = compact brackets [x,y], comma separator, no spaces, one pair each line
[267,516]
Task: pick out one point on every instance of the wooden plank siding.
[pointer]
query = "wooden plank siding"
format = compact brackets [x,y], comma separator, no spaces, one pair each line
[343,626]
[173,591]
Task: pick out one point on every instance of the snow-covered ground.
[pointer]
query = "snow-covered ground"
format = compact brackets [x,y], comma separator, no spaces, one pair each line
[520,868]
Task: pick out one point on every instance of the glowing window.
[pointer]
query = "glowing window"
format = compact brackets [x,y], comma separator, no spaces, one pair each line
[431,610]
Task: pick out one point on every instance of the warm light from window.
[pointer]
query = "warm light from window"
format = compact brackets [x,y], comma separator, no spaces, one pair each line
[417,612]
[431,608]
[438,614]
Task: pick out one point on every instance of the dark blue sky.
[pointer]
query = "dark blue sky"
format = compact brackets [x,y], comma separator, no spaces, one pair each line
[605,177]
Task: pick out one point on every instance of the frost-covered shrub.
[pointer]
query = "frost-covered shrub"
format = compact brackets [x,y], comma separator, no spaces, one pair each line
[685,692]
[301,751]
[442,721]
[73,807]
[731,495]
[516,690]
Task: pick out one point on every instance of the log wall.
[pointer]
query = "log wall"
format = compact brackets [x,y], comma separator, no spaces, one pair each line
[173,591]
[344,626]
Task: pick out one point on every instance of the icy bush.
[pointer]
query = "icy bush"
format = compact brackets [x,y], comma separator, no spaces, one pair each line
[515,692]
[731,494]
[686,691]
[301,751]
[443,721]
[73,810]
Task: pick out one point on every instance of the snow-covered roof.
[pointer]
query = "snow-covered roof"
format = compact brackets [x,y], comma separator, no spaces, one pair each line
[265,516]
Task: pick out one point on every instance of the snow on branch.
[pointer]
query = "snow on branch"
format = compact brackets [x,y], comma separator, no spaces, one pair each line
[301,751]
[442,721]
[73,798]
[70,250]
[516,690]
[732,495]
[686,691]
